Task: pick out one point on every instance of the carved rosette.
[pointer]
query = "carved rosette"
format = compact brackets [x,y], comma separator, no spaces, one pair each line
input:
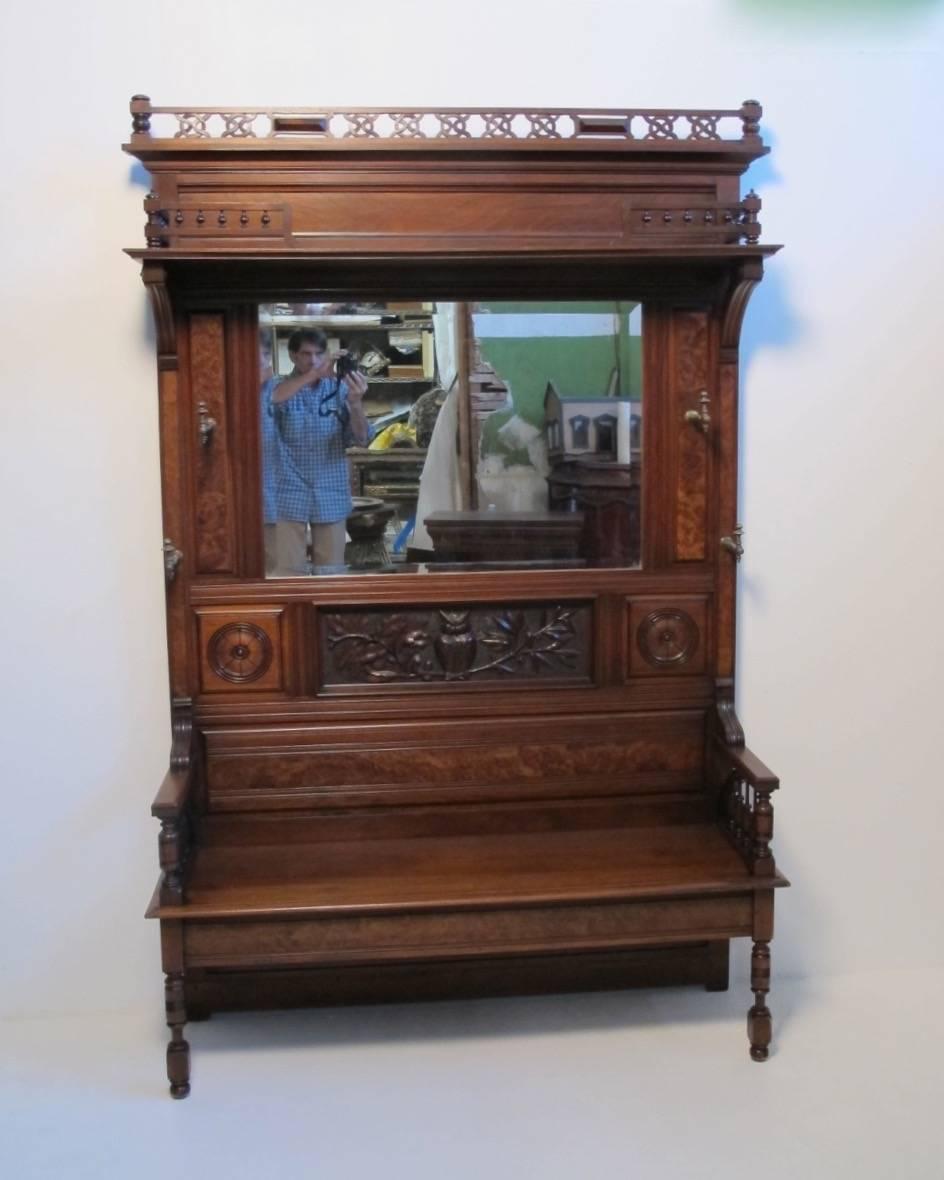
[239,652]
[667,638]
[460,643]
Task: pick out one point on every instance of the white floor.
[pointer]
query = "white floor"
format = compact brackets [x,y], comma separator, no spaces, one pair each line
[636,1084]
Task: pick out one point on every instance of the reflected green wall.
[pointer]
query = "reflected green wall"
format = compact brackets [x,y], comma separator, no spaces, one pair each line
[579,366]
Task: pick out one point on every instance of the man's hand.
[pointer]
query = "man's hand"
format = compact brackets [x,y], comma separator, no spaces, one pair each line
[356,387]
[322,367]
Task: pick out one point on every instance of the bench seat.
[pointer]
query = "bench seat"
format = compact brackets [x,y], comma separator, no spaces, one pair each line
[393,875]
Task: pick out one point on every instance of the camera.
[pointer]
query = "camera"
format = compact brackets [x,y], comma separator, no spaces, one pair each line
[344,365]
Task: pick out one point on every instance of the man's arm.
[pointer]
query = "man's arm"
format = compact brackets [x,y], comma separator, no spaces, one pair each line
[289,386]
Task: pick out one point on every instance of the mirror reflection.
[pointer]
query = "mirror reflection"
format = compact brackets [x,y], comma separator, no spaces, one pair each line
[494,434]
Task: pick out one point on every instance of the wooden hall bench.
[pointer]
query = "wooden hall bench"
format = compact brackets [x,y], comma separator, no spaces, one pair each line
[493,777]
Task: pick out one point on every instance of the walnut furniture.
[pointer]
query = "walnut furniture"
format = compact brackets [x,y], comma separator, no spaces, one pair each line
[465,780]
[476,535]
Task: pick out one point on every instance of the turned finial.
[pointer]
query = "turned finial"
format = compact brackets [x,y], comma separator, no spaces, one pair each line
[751,206]
[140,114]
[751,111]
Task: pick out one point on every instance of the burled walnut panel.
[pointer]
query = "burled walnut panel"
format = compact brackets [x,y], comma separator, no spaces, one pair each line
[690,376]
[512,930]
[213,509]
[503,759]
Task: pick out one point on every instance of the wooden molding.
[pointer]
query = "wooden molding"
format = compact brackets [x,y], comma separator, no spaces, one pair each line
[155,283]
[181,720]
[750,273]
[731,728]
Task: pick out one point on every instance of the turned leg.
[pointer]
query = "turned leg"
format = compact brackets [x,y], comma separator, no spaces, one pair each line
[759,1025]
[178,1051]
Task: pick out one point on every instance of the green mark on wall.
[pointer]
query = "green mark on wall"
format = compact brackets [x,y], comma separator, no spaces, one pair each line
[836,12]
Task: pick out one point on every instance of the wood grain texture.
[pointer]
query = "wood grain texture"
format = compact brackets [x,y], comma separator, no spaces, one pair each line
[214,494]
[365,764]
[180,654]
[727,519]
[690,353]
[441,874]
[462,935]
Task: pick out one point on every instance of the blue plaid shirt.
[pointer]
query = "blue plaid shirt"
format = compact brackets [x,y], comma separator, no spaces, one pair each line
[304,467]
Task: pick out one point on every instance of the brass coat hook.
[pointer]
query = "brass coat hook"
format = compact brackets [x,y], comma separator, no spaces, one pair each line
[700,418]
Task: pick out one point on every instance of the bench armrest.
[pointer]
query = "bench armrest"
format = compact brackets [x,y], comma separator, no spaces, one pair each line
[746,809]
[750,767]
[172,805]
[173,795]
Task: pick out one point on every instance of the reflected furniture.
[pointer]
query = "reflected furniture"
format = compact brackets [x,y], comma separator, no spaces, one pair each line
[366,526]
[393,475]
[483,536]
[473,780]
[607,495]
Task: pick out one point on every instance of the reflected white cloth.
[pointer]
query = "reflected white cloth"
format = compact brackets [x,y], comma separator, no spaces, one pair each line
[440,490]
[444,339]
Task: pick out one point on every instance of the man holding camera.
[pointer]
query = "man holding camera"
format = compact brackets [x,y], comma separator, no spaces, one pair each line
[308,420]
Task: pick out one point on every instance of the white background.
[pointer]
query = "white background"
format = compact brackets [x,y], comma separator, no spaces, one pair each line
[842,583]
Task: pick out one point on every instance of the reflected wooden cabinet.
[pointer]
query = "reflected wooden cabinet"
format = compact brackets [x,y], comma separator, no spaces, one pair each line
[459,777]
